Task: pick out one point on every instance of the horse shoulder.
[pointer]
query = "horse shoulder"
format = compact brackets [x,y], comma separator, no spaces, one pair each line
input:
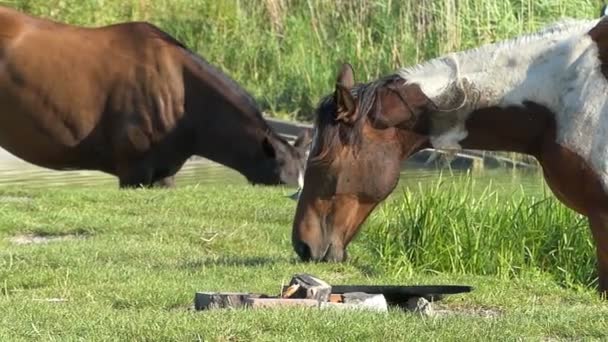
[148,96]
[581,120]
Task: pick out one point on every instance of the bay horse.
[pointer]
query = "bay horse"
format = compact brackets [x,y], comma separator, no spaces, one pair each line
[129,100]
[543,94]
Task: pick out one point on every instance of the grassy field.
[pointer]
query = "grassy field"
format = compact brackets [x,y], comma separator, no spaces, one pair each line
[131,261]
[286,52]
[126,264]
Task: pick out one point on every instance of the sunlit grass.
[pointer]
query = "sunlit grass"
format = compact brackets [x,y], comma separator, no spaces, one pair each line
[142,255]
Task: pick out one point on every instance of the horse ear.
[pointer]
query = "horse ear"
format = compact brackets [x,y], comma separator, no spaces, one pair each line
[303,139]
[346,106]
[346,77]
[268,148]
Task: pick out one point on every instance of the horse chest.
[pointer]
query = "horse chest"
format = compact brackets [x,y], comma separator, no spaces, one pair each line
[572,179]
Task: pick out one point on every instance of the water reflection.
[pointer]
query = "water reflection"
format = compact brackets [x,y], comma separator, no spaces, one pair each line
[14,172]
[502,180]
[196,171]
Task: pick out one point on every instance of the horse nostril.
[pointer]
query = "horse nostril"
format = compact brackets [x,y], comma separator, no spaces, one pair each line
[303,250]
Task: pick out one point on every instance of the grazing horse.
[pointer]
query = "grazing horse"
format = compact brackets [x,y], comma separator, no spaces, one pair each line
[128,100]
[543,94]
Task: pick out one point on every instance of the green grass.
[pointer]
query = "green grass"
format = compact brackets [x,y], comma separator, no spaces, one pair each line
[145,253]
[462,225]
[286,52]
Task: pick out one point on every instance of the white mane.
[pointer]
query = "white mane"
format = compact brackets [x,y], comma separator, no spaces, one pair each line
[549,33]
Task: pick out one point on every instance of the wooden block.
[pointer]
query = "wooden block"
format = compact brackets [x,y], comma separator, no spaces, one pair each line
[338,306]
[375,302]
[359,301]
[309,287]
[289,291]
[362,298]
[258,303]
[350,307]
[220,300]
[336,298]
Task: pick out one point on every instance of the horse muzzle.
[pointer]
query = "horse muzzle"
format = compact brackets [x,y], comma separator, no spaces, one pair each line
[329,252]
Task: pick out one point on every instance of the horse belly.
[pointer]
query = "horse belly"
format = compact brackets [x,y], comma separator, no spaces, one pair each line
[21,136]
[33,128]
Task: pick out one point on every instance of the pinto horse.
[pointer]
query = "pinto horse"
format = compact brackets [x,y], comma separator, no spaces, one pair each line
[128,100]
[543,94]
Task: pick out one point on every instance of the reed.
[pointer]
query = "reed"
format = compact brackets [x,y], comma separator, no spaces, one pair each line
[286,52]
[460,226]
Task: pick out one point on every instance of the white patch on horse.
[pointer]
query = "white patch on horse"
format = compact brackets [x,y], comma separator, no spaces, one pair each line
[557,67]
[435,81]
[583,116]
[449,140]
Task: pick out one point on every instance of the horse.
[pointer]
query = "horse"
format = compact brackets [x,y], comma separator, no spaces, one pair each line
[542,94]
[129,100]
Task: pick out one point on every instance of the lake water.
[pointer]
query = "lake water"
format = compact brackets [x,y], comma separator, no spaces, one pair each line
[15,172]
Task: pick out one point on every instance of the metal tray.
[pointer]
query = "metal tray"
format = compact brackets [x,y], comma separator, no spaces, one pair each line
[400,294]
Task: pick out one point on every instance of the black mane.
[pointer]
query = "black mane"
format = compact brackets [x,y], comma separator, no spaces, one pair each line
[332,133]
[227,84]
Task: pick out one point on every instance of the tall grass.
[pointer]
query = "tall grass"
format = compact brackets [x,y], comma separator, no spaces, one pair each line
[463,227]
[286,52]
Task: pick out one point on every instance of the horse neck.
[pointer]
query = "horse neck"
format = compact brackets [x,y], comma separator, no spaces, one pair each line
[514,74]
[523,129]
[501,81]
[229,127]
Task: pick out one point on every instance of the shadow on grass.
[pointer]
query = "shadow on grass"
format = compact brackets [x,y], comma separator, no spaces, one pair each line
[367,270]
[233,260]
[41,236]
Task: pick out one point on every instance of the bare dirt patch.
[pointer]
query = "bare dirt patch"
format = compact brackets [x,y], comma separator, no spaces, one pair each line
[15,199]
[38,239]
[484,312]
[50,300]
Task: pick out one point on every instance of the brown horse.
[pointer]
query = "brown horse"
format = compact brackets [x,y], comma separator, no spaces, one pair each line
[128,100]
[543,95]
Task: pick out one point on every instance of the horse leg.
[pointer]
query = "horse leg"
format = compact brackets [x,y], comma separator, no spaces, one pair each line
[135,176]
[599,228]
[580,188]
[165,177]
